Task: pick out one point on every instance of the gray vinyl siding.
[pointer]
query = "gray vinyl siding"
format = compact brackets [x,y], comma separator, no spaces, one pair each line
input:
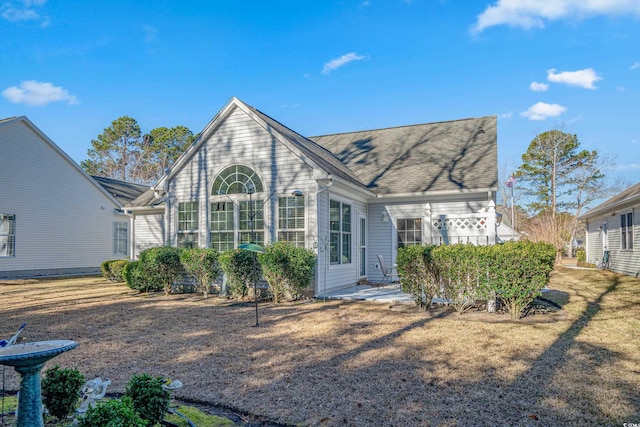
[331,277]
[622,261]
[64,222]
[383,238]
[149,231]
[240,140]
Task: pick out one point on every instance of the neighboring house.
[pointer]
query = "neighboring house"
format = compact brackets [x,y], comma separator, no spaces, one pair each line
[611,231]
[349,197]
[54,218]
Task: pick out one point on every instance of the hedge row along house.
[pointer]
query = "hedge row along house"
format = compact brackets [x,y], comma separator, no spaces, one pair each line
[350,197]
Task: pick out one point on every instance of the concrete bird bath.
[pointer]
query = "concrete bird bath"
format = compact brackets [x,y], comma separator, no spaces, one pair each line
[28,360]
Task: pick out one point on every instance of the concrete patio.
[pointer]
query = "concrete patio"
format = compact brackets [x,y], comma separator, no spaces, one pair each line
[385,294]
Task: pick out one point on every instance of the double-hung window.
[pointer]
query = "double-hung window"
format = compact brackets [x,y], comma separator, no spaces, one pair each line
[340,232]
[188,224]
[626,230]
[7,235]
[409,232]
[291,220]
[120,238]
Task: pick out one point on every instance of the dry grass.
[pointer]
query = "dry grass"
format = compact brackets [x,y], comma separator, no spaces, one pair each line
[356,363]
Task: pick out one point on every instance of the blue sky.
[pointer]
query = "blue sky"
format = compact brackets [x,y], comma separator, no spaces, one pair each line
[73,67]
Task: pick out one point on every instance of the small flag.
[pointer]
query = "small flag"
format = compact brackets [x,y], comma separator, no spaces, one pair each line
[511,181]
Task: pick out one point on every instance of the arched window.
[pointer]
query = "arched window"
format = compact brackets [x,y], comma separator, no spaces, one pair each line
[237,179]
[240,218]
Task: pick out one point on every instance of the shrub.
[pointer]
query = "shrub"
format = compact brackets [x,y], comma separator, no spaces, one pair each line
[149,399]
[161,267]
[288,269]
[134,277]
[203,265]
[112,413]
[418,273]
[61,390]
[238,266]
[581,255]
[106,271]
[113,270]
[117,269]
[518,271]
[463,273]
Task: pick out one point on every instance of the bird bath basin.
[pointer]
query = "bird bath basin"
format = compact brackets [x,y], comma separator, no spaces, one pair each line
[28,360]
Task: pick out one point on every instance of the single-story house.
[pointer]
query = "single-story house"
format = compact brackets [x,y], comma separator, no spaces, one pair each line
[54,218]
[350,197]
[611,241]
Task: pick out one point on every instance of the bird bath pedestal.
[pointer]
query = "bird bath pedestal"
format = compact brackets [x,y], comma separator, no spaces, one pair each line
[28,359]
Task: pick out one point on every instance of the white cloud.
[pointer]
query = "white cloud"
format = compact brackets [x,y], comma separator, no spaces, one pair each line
[583,78]
[538,87]
[507,115]
[542,111]
[634,141]
[529,14]
[36,93]
[334,64]
[24,10]
[635,65]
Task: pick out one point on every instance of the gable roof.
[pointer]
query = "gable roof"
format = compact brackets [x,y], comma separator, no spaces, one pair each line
[60,152]
[125,192]
[630,195]
[146,200]
[310,152]
[451,156]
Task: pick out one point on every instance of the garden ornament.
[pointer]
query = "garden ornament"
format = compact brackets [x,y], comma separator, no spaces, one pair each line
[93,391]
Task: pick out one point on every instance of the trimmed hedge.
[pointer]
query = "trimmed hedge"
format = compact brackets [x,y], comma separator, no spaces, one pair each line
[418,274]
[202,264]
[514,272]
[288,269]
[113,270]
[238,266]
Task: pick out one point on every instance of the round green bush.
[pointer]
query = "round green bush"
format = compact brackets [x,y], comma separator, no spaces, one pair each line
[112,413]
[149,399]
[61,390]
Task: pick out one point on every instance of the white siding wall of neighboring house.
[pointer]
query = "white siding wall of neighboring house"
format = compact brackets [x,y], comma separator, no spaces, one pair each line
[240,140]
[64,223]
[622,260]
[383,234]
[149,231]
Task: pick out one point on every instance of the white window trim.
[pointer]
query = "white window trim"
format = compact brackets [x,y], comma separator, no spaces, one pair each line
[116,237]
[304,218]
[195,231]
[628,226]
[341,233]
[10,236]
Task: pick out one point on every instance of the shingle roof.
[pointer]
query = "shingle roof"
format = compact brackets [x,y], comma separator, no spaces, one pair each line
[631,194]
[125,192]
[442,156]
[146,200]
[316,153]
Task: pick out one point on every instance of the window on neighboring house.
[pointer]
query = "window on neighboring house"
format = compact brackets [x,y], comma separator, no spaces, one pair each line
[409,231]
[188,224]
[222,226]
[121,238]
[7,235]
[626,230]
[340,232]
[291,220]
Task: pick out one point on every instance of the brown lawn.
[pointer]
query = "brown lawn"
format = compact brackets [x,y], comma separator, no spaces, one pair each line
[355,363]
